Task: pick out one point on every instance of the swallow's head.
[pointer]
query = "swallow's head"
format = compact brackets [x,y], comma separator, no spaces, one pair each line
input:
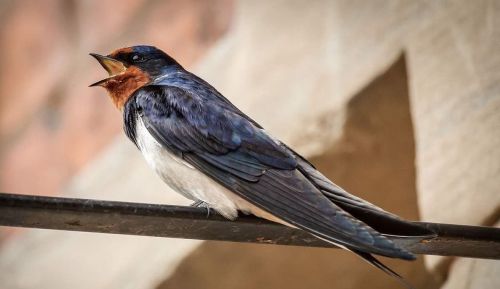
[131,68]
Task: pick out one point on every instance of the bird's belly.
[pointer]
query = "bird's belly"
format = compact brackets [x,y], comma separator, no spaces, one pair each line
[190,182]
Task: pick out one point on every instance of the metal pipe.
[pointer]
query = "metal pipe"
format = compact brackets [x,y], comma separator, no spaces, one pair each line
[194,223]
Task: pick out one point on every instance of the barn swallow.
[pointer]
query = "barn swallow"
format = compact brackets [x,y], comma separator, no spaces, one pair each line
[208,150]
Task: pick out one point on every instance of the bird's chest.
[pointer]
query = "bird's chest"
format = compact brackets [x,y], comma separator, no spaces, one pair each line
[190,182]
[177,173]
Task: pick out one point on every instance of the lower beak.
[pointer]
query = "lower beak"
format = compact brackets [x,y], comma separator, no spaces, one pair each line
[113,67]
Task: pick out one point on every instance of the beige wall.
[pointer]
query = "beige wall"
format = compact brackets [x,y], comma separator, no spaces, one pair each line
[312,58]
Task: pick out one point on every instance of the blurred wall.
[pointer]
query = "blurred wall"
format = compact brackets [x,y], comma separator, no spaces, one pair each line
[398,101]
[298,67]
[377,146]
[51,123]
[58,136]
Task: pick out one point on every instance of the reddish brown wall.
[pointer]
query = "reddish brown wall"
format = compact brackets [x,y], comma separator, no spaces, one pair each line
[51,123]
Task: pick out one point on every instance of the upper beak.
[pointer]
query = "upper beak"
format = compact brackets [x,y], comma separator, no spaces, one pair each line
[113,67]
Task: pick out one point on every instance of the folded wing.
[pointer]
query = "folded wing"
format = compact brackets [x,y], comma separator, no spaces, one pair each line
[225,145]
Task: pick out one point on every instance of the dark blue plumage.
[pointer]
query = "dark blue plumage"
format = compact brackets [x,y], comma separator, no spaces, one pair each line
[193,121]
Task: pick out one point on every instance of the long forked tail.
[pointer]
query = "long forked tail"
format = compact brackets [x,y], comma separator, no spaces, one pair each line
[376,263]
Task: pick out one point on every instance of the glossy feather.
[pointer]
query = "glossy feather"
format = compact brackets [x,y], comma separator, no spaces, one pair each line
[223,144]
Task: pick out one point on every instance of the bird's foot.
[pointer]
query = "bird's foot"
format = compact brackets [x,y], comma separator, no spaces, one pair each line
[201,204]
[197,204]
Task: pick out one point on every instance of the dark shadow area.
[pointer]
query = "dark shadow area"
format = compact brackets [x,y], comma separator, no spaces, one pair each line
[373,159]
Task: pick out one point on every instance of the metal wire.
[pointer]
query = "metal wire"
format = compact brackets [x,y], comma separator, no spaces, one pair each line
[194,223]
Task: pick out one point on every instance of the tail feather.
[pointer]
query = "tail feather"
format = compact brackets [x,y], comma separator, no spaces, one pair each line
[373,216]
[376,263]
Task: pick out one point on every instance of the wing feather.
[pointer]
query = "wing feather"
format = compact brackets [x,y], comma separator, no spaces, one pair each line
[372,215]
[229,148]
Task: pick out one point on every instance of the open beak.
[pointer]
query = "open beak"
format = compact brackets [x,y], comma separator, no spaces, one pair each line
[113,67]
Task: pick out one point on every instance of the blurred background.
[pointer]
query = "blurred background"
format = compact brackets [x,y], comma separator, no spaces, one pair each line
[397,101]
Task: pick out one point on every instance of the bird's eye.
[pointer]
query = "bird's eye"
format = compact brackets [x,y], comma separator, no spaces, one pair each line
[137,58]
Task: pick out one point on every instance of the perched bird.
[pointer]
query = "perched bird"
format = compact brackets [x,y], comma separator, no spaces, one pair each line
[208,150]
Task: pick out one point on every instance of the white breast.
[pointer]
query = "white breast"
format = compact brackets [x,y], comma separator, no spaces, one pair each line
[188,181]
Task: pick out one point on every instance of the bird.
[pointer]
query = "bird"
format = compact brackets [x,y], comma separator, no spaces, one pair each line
[205,148]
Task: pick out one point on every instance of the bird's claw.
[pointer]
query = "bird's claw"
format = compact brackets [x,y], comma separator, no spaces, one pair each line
[201,204]
[197,204]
